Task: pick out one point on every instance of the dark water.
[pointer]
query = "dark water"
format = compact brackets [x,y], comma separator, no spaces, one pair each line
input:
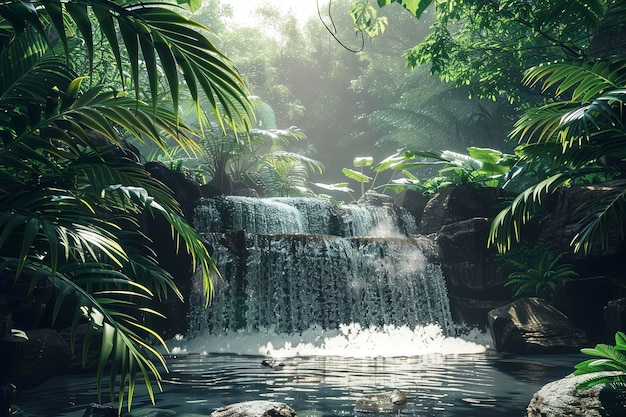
[467,385]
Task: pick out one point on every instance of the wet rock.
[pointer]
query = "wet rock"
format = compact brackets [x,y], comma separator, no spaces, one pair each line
[382,403]
[372,198]
[272,363]
[186,192]
[259,408]
[531,325]
[463,202]
[561,399]
[475,276]
[414,202]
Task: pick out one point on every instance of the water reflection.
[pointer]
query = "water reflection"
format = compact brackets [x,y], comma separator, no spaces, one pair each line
[436,385]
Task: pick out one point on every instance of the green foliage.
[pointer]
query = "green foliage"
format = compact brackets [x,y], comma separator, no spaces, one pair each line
[608,358]
[71,185]
[486,46]
[482,166]
[574,139]
[538,271]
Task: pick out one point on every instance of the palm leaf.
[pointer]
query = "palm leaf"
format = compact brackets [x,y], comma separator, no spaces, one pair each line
[506,226]
[601,216]
[150,27]
[588,79]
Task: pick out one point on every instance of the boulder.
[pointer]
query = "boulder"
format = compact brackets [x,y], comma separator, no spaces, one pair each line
[562,399]
[475,276]
[372,198]
[463,202]
[43,355]
[390,402]
[531,325]
[260,408]
[186,192]
[412,201]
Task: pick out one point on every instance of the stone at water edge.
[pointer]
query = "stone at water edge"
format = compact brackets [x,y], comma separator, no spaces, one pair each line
[382,403]
[531,325]
[260,408]
[561,399]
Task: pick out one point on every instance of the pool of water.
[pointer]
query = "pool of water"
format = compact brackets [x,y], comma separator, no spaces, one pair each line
[480,384]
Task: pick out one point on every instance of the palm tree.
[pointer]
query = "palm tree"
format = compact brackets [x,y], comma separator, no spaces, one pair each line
[72,188]
[573,138]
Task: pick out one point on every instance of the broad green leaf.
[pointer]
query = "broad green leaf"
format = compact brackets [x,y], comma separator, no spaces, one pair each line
[355,175]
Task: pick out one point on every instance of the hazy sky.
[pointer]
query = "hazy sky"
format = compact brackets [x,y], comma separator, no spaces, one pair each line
[301,8]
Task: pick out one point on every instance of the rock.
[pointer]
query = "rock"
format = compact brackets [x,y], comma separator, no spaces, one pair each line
[615,316]
[562,399]
[186,192]
[259,408]
[26,305]
[43,355]
[372,198]
[475,276]
[531,325]
[382,403]
[463,202]
[561,222]
[272,363]
[412,201]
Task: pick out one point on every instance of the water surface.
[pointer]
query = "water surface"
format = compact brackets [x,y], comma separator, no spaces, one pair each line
[481,385]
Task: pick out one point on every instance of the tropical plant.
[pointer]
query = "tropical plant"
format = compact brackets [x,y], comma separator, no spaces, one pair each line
[573,138]
[257,158]
[71,187]
[482,166]
[538,271]
[608,365]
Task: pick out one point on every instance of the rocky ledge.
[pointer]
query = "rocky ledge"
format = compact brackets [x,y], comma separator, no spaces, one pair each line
[561,398]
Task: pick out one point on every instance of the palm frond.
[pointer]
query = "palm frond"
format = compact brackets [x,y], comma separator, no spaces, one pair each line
[602,216]
[583,79]
[506,226]
[147,31]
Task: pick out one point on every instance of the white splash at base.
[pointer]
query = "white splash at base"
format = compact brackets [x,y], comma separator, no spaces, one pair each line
[350,340]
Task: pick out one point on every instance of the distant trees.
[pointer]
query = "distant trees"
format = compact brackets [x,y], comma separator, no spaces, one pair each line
[486,45]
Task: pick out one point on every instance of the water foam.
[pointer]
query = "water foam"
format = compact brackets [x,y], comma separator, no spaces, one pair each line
[350,340]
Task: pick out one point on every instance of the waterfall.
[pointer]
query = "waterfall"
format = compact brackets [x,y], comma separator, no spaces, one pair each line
[302,215]
[276,273]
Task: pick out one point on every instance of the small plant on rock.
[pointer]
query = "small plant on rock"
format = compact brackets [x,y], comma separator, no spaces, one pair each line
[609,358]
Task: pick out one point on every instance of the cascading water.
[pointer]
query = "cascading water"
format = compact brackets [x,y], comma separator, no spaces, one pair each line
[289,264]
